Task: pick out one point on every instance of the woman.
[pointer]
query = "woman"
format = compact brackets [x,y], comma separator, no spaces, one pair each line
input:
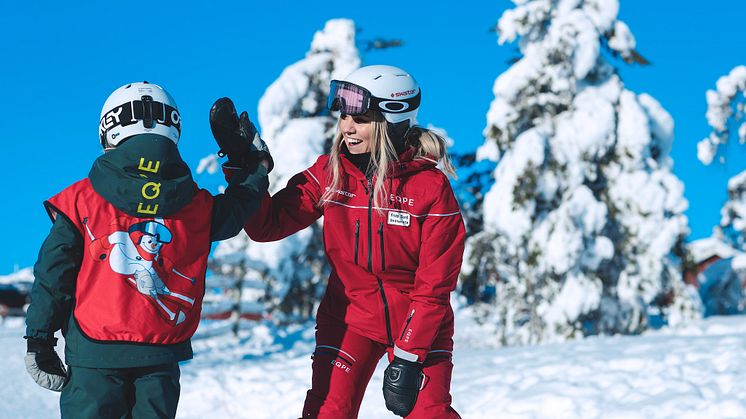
[394,238]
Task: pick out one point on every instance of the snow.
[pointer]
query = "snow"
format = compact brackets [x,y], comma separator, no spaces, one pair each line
[24,275]
[22,279]
[704,249]
[693,371]
[720,113]
[733,214]
[528,152]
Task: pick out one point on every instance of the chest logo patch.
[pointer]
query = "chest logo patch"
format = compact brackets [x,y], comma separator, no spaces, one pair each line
[399,218]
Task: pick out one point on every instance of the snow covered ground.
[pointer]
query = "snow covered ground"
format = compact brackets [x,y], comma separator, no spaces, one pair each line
[695,371]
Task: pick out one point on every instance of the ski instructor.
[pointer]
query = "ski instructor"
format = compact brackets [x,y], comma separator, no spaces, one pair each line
[394,238]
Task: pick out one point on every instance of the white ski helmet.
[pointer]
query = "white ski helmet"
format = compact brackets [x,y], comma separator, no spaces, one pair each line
[138,108]
[385,88]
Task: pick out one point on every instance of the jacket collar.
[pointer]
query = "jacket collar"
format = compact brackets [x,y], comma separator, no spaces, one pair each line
[146,166]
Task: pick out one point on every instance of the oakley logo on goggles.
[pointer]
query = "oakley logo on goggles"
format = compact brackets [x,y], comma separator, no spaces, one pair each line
[351,99]
[146,110]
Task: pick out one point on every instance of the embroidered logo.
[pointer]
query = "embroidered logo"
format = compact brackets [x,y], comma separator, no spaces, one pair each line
[399,218]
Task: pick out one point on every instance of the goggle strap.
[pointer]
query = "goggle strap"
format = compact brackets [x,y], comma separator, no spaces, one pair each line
[146,110]
[412,103]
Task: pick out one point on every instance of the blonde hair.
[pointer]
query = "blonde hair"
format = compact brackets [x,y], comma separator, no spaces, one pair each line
[428,145]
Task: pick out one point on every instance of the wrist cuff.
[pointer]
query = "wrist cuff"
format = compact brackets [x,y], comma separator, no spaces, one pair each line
[39,345]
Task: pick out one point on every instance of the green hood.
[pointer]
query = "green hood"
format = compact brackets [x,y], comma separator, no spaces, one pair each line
[127,177]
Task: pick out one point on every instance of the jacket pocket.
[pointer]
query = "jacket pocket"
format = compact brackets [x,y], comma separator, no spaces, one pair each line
[357,238]
[383,250]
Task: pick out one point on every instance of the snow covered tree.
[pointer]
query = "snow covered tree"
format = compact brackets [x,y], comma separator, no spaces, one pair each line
[732,226]
[725,115]
[725,111]
[474,180]
[584,225]
[297,128]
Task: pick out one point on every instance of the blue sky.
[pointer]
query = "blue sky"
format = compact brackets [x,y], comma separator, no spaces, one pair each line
[61,60]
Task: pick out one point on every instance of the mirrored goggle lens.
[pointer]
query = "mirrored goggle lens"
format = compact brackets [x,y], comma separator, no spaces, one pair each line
[348,98]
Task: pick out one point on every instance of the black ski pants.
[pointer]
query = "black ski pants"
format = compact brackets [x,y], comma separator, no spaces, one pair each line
[143,392]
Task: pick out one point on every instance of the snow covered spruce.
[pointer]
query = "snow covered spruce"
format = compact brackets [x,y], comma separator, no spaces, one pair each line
[286,278]
[722,255]
[725,112]
[584,224]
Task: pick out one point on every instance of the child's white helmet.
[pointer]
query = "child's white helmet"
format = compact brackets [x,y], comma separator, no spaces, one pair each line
[385,88]
[138,108]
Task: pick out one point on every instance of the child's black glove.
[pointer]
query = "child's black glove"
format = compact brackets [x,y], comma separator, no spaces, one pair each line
[237,137]
[43,364]
[402,381]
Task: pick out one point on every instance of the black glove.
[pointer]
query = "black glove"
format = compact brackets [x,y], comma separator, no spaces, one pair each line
[43,364]
[401,384]
[237,137]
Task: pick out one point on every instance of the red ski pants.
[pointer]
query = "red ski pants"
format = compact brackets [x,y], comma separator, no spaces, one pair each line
[343,363]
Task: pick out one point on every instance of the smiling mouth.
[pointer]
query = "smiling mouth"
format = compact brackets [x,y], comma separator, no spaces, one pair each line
[352,141]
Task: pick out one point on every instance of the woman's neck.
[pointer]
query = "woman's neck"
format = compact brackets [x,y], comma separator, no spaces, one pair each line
[361,161]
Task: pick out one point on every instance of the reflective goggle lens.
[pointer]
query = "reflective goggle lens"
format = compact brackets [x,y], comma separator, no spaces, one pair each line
[348,98]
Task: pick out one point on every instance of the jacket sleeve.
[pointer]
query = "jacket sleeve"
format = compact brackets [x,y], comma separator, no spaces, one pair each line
[441,253]
[290,210]
[55,275]
[241,200]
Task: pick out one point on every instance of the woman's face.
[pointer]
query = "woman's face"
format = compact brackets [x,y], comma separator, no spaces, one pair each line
[356,131]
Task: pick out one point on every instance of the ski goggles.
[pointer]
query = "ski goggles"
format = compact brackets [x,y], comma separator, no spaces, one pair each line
[351,99]
[160,232]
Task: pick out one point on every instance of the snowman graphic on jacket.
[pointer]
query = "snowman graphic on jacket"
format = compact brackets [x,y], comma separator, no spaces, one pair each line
[135,253]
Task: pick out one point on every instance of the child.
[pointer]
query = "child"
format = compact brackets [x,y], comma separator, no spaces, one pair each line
[122,272]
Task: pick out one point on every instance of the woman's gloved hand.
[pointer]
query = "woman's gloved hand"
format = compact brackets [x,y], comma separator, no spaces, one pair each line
[402,382]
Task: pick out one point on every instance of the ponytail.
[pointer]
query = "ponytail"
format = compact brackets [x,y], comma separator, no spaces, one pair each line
[431,145]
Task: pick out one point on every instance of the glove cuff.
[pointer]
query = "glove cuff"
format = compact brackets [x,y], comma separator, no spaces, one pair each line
[404,355]
[412,364]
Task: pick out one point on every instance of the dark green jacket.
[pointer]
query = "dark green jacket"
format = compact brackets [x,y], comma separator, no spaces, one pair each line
[61,255]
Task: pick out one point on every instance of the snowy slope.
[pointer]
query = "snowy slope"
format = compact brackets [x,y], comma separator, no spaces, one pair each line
[691,372]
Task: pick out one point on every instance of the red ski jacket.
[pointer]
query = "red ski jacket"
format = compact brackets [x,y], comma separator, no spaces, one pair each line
[141,279]
[393,267]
